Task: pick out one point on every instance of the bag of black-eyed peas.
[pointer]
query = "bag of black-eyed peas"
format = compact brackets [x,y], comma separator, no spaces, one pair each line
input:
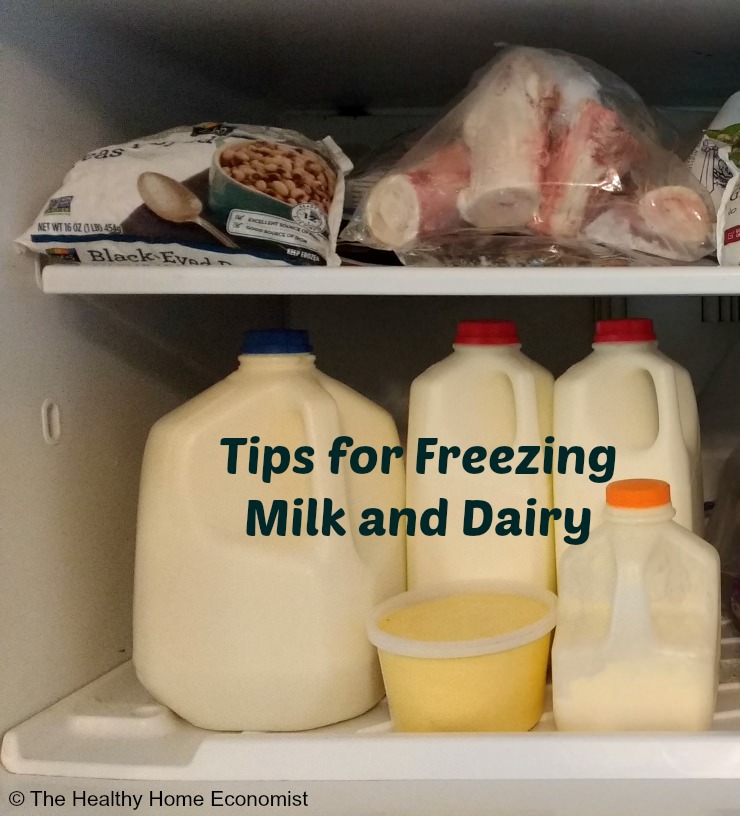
[214,194]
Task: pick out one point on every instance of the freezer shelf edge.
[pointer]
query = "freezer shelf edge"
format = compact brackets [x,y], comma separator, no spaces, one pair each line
[112,729]
[389,280]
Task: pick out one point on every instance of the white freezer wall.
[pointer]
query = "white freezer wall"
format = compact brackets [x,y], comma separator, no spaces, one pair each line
[81,74]
[109,366]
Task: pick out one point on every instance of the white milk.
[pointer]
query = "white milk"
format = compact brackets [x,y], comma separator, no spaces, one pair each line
[486,394]
[636,646]
[263,632]
[628,395]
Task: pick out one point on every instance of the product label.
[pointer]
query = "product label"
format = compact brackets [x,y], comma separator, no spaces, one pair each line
[710,168]
[732,235]
[274,228]
[276,193]
[728,213]
[63,254]
[59,205]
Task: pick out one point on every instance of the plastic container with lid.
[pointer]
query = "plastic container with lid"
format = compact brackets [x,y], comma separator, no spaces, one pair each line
[637,642]
[486,395]
[465,656]
[629,397]
[263,629]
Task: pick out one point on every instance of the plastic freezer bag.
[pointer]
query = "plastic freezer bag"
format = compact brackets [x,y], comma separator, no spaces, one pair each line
[543,144]
[212,194]
[716,163]
[728,212]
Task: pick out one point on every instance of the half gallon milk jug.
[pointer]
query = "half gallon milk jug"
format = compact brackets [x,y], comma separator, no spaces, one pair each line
[632,412]
[252,584]
[636,646]
[486,397]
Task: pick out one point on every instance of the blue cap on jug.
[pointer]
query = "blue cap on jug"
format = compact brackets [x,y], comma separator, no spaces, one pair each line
[276,341]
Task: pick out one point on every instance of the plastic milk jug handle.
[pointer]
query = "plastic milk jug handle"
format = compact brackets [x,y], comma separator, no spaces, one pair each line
[321,420]
[669,415]
[527,431]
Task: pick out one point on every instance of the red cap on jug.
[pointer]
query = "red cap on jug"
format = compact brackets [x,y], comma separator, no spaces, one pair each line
[631,330]
[486,333]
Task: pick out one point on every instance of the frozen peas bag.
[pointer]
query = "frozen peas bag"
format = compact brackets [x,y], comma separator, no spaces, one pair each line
[542,144]
[210,194]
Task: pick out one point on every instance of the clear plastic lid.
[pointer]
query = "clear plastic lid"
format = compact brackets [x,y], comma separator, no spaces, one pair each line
[412,647]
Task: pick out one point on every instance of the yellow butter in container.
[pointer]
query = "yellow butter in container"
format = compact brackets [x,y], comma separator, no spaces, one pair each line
[465,656]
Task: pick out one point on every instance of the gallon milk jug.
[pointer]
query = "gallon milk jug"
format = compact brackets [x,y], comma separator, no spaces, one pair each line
[627,411]
[252,583]
[468,416]
[636,646]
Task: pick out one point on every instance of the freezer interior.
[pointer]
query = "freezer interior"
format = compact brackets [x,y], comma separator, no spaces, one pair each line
[86,374]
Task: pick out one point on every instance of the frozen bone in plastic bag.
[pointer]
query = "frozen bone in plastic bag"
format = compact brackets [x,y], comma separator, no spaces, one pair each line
[555,146]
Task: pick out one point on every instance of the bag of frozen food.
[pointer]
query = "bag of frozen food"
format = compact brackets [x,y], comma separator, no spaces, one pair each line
[470,247]
[213,194]
[373,165]
[705,161]
[715,161]
[728,212]
[542,144]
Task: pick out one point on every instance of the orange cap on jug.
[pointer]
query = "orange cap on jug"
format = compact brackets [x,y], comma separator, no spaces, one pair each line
[638,493]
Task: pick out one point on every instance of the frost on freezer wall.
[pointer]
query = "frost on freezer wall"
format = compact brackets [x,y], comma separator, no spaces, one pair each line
[68,509]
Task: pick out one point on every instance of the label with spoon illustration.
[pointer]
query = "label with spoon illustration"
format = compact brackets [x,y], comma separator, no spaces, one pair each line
[213,194]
